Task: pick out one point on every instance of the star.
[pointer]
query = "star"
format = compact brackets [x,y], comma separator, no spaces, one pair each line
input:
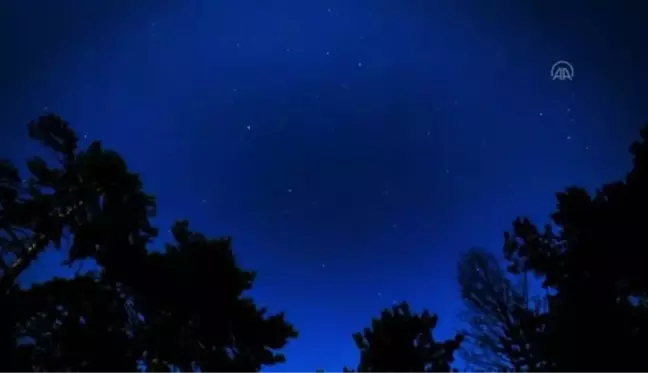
[328,53]
[289,190]
[359,64]
[248,127]
[541,114]
[569,138]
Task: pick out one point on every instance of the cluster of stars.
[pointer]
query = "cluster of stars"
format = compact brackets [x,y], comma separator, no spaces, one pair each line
[344,86]
[571,119]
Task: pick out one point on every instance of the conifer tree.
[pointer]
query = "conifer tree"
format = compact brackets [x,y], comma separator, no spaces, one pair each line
[402,341]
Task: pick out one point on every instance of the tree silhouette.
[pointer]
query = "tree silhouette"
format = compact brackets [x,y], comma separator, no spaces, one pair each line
[183,308]
[402,341]
[592,261]
[502,324]
[89,195]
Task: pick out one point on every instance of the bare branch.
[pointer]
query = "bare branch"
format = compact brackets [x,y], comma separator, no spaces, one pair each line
[496,338]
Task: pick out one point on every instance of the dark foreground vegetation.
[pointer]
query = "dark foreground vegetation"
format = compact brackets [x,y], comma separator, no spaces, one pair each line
[184,308]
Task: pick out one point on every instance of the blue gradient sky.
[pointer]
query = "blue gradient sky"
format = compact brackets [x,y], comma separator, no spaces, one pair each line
[352,148]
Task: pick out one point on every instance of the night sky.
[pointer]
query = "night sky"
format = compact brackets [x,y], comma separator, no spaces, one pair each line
[353,149]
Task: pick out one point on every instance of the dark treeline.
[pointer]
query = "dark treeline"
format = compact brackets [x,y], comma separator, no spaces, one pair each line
[184,308]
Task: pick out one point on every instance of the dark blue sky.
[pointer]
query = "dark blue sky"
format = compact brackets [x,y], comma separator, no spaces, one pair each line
[352,148]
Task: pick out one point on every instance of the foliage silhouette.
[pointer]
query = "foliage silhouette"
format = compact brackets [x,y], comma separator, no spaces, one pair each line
[502,324]
[592,261]
[183,308]
[402,341]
